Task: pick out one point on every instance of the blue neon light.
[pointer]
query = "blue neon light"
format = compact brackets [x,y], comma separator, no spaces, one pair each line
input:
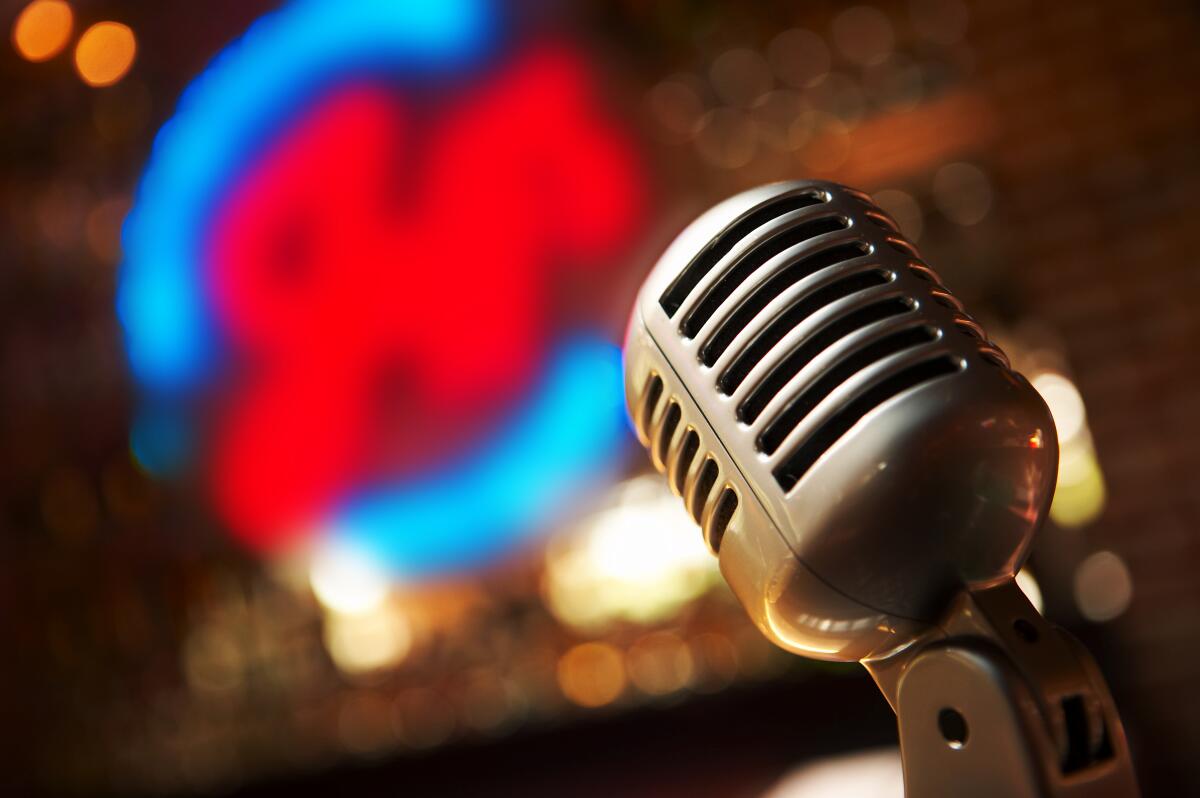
[558,443]
[571,428]
[248,91]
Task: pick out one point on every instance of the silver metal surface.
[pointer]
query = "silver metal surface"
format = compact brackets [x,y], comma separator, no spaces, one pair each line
[850,534]
[1036,716]
[870,473]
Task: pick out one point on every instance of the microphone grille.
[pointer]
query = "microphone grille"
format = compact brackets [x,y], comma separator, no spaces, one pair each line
[843,431]
[817,273]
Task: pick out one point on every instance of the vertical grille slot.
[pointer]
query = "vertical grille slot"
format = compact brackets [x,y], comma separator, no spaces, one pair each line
[751,262]
[789,472]
[702,264]
[647,405]
[802,355]
[697,496]
[662,442]
[718,522]
[692,474]
[677,470]
[779,282]
[779,427]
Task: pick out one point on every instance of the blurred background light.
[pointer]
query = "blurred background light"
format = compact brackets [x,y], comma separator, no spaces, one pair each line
[799,57]
[592,674]
[868,774]
[368,640]
[476,442]
[486,560]
[902,207]
[676,105]
[246,92]
[105,53]
[726,138]
[564,440]
[895,84]
[660,663]
[42,29]
[1066,405]
[740,76]
[863,34]
[1103,586]
[1080,493]
[640,560]
[962,193]
[840,96]
[346,580]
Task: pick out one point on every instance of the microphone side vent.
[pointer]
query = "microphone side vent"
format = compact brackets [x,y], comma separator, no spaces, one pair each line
[675,449]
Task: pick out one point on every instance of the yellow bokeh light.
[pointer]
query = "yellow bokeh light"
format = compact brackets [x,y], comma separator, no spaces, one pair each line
[369,641]
[1080,496]
[42,29]
[105,53]
[641,559]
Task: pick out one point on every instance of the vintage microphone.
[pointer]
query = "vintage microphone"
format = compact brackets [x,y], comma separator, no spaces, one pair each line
[870,472]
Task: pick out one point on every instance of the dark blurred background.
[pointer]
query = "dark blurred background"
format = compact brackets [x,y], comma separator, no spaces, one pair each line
[259,533]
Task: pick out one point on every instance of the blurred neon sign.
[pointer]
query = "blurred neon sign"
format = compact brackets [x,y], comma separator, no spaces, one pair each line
[374,209]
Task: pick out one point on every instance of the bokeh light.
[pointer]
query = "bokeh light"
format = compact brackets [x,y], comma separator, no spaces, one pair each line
[1103,586]
[863,34]
[347,580]
[676,105]
[639,560]
[105,53]
[592,674]
[962,193]
[660,663]
[42,29]
[1065,403]
[867,774]
[304,119]
[1080,493]
[799,57]
[740,76]
[904,208]
[368,641]
[726,138]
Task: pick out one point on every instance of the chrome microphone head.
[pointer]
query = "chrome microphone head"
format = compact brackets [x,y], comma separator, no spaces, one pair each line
[853,446]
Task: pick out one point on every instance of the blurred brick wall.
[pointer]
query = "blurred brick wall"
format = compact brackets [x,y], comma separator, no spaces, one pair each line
[1098,159]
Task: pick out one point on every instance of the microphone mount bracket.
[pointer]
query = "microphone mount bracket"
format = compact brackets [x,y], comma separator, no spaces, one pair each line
[996,702]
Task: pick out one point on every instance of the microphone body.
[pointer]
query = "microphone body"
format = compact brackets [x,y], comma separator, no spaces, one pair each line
[869,471]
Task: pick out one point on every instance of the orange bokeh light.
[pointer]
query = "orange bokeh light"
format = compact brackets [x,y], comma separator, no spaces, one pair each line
[105,53]
[42,29]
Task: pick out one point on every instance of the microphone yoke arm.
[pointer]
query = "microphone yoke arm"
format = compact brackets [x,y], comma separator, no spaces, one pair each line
[997,702]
